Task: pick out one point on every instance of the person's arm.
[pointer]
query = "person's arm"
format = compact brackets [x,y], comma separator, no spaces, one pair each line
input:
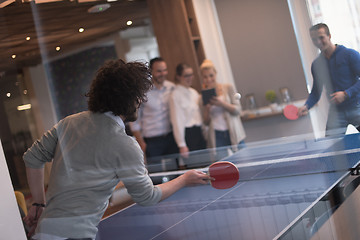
[35,179]
[139,138]
[338,97]
[205,110]
[354,61]
[313,97]
[136,130]
[138,183]
[41,151]
[316,91]
[189,178]
[233,107]
[177,119]
[303,110]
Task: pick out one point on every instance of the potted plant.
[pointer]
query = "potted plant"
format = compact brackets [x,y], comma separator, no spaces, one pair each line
[271,96]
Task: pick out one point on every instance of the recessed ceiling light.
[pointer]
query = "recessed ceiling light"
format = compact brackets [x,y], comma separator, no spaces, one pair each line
[8,94]
[129,23]
[13,56]
[57,48]
[25,92]
[81,30]
[27,38]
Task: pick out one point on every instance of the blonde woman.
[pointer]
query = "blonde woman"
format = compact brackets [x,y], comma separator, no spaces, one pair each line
[185,114]
[222,113]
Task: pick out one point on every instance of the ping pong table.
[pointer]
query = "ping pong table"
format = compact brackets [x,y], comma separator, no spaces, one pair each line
[287,188]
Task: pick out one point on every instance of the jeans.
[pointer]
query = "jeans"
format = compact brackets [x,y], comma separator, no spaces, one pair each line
[339,119]
[159,146]
[222,138]
[194,138]
[223,142]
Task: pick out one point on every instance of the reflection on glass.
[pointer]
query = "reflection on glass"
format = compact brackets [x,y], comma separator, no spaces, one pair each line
[285,95]
[250,101]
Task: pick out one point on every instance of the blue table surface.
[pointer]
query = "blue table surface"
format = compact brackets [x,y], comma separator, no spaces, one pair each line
[267,198]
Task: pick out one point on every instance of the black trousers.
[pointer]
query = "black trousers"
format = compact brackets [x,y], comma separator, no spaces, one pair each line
[194,138]
[160,146]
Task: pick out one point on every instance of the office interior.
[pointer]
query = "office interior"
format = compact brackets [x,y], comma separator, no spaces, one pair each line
[257,45]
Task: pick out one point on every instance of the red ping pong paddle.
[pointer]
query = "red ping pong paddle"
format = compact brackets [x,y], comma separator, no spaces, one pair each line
[225,175]
[291,112]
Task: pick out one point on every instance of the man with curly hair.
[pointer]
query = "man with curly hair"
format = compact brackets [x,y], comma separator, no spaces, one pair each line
[91,153]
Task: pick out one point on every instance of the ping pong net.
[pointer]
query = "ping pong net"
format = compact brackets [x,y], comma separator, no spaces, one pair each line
[262,160]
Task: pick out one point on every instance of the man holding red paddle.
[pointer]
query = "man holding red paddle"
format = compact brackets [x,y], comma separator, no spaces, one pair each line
[91,153]
[337,68]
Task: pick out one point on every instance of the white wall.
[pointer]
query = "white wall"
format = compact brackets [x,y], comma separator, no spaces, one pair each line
[212,39]
[262,47]
[253,45]
[301,23]
[11,227]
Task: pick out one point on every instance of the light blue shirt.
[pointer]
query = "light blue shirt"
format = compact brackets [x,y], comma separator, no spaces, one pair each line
[117,119]
[90,153]
[154,115]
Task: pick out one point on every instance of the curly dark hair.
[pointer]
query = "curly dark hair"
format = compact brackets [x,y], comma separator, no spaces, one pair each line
[119,87]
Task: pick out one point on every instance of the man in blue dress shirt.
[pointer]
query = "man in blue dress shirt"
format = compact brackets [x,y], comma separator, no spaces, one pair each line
[337,68]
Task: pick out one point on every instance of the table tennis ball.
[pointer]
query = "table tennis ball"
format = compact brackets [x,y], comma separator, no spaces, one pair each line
[237,96]
[165,179]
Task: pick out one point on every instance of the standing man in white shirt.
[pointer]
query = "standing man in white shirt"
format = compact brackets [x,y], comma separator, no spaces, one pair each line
[153,129]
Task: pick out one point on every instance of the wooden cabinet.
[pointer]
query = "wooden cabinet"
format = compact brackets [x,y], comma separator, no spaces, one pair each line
[178,35]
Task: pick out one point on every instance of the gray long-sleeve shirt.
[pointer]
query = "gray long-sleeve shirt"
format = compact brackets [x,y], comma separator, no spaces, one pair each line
[91,153]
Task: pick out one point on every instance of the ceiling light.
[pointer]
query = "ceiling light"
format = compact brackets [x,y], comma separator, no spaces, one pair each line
[81,30]
[25,92]
[24,107]
[57,48]
[8,94]
[129,23]
[13,56]
[27,38]
[111,0]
